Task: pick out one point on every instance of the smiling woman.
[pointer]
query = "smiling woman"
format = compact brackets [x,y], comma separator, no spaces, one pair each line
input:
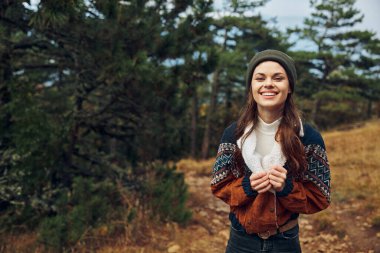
[270,166]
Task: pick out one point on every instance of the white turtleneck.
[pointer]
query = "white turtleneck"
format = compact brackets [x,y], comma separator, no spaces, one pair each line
[260,151]
[265,136]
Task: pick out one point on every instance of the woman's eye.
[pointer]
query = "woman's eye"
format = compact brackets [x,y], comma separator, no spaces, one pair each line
[260,79]
[278,79]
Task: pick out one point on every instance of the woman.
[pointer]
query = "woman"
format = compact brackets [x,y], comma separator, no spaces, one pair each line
[270,167]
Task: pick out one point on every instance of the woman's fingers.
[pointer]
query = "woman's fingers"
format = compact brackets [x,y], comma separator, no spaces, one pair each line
[276,184]
[260,185]
[265,189]
[258,175]
[279,169]
[258,178]
[260,182]
[277,177]
[275,173]
[273,179]
[263,181]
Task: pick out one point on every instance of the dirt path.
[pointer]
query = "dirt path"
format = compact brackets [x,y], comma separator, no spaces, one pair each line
[209,230]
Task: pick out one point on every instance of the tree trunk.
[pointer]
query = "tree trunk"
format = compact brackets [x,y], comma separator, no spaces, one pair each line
[5,98]
[210,113]
[74,131]
[194,120]
[369,109]
[113,149]
[315,111]
[211,110]
[228,104]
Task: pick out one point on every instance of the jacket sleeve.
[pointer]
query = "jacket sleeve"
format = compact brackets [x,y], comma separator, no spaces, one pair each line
[310,193]
[229,182]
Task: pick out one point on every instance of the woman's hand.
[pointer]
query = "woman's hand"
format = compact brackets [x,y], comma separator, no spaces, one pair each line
[277,176]
[260,182]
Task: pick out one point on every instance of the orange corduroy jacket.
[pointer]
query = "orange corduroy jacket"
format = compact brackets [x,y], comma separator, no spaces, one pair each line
[256,213]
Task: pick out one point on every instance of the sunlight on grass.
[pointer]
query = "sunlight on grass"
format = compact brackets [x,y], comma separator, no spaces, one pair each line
[354,157]
[199,167]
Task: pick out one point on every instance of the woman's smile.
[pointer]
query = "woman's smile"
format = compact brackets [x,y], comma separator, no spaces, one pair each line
[268,94]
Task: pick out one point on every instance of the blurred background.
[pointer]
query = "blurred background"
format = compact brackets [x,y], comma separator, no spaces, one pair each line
[112,111]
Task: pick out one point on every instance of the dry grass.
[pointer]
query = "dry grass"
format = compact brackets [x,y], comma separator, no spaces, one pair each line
[20,243]
[354,157]
[198,167]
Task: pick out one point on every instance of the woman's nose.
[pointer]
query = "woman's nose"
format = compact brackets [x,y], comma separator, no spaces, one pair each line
[268,82]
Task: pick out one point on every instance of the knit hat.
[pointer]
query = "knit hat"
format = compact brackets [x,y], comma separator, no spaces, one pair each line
[273,55]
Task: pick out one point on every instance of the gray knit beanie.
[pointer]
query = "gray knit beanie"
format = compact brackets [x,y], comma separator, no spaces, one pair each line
[273,55]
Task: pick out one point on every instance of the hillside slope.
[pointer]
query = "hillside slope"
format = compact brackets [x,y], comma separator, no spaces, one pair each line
[350,224]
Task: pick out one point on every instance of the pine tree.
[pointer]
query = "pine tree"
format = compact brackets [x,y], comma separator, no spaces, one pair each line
[340,52]
[88,97]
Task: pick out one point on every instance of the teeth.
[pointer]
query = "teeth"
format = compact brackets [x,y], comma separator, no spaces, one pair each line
[268,94]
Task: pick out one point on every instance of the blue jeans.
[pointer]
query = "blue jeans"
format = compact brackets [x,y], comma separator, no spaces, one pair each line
[286,242]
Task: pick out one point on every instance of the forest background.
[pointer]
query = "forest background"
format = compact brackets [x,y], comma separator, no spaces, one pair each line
[99,99]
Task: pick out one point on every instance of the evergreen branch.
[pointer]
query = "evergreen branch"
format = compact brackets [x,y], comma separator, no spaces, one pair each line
[36,66]
[6,21]
[41,44]
[87,158]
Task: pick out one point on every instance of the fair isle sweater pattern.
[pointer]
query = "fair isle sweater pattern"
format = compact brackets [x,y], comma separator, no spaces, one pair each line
[223,165]
[318,171]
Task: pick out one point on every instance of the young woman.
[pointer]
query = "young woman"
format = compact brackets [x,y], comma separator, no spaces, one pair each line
[270,166]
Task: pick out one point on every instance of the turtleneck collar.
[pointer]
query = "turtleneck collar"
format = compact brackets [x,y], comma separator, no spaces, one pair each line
[266,128]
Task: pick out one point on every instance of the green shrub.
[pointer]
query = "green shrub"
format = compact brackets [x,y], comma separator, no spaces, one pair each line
[166,193]
[87,206]
[53,231]
[80,210]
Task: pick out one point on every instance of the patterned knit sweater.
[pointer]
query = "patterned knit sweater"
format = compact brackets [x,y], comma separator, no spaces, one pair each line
[256,213]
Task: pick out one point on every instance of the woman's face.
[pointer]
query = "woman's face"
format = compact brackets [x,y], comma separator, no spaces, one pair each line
[270,86]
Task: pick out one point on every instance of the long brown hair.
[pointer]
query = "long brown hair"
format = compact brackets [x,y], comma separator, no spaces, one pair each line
[287,133]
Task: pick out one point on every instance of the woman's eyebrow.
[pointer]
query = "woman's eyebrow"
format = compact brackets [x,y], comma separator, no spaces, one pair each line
[275,74]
